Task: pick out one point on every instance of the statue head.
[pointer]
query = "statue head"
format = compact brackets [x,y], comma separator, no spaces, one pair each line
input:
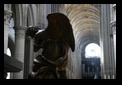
[59,27]
[58,22]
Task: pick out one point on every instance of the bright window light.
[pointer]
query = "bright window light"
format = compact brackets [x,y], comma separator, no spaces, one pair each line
[92,50]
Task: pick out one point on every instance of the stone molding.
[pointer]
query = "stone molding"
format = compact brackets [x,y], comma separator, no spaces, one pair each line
[17,27]
[113,26]
[113,23]
[7,16]
[114,6]
[20,31]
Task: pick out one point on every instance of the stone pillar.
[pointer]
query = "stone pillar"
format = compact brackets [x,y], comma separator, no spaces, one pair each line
[114,40]
[83,71]
[55,8]
[106,43]
[7,16]
[31,55]
[52,9]
[28,60]
[113,32]
[41,15]
[19,48]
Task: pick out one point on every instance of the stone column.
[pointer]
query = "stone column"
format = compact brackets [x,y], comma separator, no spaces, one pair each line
[113,32]
[19,48]
[41,13]
[52,8]
[7,16]
[28,60]
[106,44]
[114,40]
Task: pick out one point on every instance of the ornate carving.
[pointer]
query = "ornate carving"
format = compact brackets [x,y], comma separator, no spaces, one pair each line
[55,41]
[113,27]
[20,31]
[113,23]
[7,16]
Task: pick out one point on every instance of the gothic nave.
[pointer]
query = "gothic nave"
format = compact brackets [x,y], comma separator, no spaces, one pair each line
[91,24]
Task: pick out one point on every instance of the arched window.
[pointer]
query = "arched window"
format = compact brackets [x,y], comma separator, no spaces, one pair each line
[92,50]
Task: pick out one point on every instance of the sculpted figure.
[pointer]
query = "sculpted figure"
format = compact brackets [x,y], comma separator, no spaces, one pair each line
[55,41]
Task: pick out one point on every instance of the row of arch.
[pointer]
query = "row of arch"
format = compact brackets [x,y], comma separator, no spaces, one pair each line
[26,15]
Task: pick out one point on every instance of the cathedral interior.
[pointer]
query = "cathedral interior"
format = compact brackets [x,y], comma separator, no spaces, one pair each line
[92,24]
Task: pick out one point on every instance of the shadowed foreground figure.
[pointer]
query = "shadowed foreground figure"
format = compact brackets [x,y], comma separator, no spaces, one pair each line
[55,41]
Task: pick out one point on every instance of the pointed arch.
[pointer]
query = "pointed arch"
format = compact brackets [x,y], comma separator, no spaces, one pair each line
[20,14]
[31,14]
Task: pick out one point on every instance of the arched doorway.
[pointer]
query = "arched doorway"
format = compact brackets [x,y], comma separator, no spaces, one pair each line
[91,61]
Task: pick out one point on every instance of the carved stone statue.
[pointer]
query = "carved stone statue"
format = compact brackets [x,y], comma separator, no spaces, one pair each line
[55,41]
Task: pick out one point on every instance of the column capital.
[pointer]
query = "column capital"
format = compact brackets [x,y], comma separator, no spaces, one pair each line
[7,16]
[20,31]
[17,27]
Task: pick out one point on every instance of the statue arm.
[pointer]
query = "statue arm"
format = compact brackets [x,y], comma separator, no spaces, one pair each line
[39,40]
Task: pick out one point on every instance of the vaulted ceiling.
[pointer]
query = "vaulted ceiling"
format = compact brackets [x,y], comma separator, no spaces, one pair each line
[85,20]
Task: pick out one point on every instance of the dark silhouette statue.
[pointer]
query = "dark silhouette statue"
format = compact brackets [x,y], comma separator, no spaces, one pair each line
[55,41]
